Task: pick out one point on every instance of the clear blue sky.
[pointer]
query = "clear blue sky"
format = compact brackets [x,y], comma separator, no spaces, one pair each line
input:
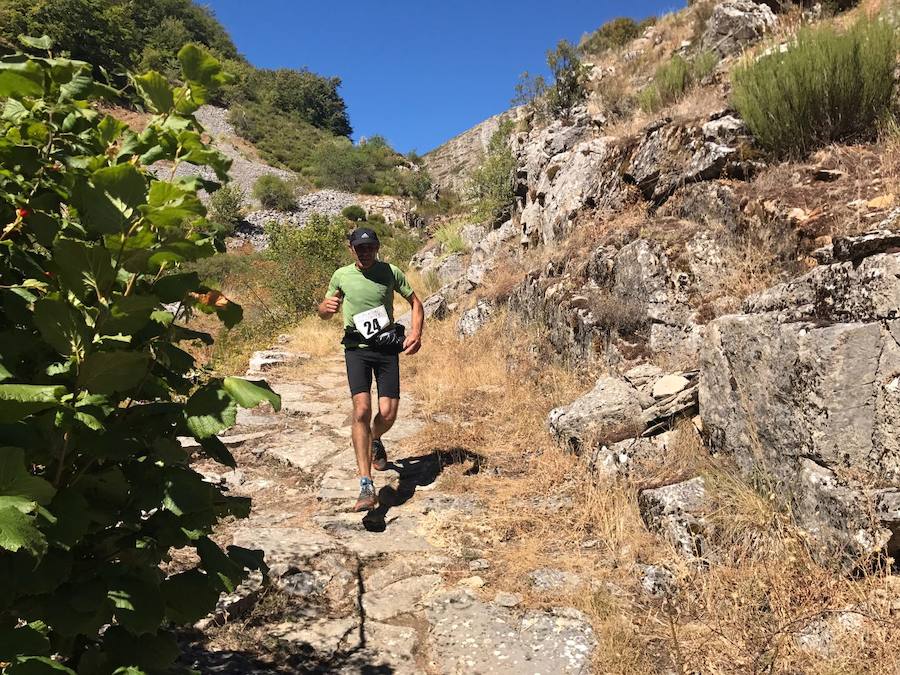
[417,72]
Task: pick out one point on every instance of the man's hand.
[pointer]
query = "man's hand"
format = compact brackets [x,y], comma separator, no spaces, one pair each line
[329,306]
[412,344]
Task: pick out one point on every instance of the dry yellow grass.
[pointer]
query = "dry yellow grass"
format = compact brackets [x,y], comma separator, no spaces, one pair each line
[750,609]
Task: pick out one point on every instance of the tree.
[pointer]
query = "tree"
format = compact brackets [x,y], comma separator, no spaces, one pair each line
[568,88]
[95,389]
[531,91]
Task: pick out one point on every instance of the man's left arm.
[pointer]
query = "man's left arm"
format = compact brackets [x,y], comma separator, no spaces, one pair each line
[413,341]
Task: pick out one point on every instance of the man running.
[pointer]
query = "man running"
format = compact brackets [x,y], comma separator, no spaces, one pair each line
[366,288]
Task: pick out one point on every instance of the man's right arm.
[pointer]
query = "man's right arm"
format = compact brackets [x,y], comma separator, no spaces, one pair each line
[329,306]
[332,302]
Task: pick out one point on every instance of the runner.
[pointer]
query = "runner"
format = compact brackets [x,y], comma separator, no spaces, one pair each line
[372,343]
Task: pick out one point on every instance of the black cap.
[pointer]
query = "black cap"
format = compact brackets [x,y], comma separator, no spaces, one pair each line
[363,235]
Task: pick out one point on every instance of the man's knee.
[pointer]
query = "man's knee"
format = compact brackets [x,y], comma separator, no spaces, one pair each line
[388,413]
[362,413]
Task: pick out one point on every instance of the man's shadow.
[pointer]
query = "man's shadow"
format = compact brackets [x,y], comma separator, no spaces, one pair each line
[416,472]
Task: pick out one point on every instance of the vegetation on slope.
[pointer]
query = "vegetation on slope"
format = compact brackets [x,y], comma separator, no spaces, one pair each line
[828,86]
[96,385]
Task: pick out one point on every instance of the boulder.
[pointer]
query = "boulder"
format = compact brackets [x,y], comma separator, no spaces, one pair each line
[677,513]
[435,307]
[711,203]
[472,320]
[450,268]
[805,387]
[608,413]
[736,24]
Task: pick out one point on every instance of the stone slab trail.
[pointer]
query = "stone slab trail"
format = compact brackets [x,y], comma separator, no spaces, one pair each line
[358,592]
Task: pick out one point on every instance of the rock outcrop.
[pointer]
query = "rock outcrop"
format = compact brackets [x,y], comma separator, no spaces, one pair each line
[804,387]
[736,24]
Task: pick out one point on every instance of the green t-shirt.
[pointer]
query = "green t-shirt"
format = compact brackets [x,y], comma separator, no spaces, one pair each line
[367,289]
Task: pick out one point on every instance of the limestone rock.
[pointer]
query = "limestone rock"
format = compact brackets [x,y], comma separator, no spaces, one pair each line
[472,320]
[549,579]
[806,387]
[676,512]
[469,636]
[607,413]
[435,307]
[267,359]
[669,385]
[451,268]
[736,24]
[709,203]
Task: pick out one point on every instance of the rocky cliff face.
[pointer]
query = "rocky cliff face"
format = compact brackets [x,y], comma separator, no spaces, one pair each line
[450,164]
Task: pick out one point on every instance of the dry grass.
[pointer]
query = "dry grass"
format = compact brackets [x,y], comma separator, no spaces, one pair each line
[747,610]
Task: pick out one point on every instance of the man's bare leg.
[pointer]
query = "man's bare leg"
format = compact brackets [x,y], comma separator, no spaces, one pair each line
[361,433]
[387,415]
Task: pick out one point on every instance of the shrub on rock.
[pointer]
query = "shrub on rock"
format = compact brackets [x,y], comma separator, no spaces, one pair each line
[827,87]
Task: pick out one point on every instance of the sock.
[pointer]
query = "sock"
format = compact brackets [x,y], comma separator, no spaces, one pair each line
[366,481]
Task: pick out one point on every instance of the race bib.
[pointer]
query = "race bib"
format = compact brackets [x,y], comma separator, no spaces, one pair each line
[371,321]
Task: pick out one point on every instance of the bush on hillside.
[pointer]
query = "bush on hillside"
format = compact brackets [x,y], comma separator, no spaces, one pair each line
[615,34]
[274,193]
[491,185]
[354,213]
[450,237]
[828,86]
[569,77]
[675,77]
[531,91]
[225,205]
[303,260]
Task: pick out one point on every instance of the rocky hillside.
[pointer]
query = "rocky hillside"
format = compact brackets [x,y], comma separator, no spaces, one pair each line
[702,277]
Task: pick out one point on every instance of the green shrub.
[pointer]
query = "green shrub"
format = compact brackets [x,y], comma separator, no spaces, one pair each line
[274,193]
[531,91]
[615,34]
[225,205]
[450,237]
[491,185]
[673,78]
[303,260]
[354,213]
[98,495]
[828,86]
[376,218]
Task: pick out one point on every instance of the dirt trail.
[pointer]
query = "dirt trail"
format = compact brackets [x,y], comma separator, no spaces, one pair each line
[350,593]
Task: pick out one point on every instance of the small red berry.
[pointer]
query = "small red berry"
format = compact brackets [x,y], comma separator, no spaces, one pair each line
[49,275]
[22,212]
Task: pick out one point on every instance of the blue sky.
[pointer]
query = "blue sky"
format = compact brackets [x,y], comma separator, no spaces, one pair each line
[420,72]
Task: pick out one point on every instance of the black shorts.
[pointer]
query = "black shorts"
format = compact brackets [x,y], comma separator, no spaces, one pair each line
[361,363]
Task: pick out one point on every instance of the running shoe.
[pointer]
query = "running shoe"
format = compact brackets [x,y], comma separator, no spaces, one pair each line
[379,455]
[367,500]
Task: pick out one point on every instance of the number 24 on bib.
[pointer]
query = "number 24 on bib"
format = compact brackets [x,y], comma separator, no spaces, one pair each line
[371,321]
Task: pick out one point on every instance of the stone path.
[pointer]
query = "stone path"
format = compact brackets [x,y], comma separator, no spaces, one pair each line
[363,594]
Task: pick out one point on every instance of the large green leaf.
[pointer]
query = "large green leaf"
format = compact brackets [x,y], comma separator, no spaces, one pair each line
[73,519]
[111,372]
[16,481]
[210,411]
[38,665]
[156,91]
[226,571]
[139,606]
[168,204]
[198,65]
[19,79]
[186,492]
[127,315]
[250,393]
[217,450]
[189,596]
[44,42]
[19,532]
[22,641]
[123,183]
[17,401]
[83,267]
[61,325]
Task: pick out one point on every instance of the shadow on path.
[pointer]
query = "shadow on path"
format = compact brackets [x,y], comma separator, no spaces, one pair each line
[416,472]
